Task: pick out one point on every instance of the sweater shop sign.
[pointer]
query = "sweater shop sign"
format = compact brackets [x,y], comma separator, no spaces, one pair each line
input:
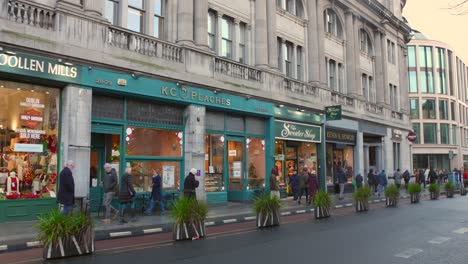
[296,131]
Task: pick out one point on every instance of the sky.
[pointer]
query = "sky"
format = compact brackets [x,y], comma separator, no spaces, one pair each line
[431,18]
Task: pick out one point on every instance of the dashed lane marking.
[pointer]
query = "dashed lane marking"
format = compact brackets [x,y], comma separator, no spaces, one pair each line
[33,244]
[153,230]
[461,230]
[409,253]
[439,240]
[300,211]
[349,205]
[3,247]
[285,213]
[119,234]
[209,223]
[312,210]
[249,218]
[338,206]
[229,221]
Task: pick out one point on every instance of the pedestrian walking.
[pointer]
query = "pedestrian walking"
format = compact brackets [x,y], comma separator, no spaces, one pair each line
[109,184]
[341,181]
[156,193]
[66,192]
[294,182]
[382,182]
[371,180]
[274,186]
[422,178]
[303,177]
[432,176]
[397,178]
[359,180]
[406,176]
[190,184]
[313,186]
[126,196]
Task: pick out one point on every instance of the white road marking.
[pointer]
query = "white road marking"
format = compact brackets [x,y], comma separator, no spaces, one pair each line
[33,244]
[209,223]
[285,213]
[409,253]
[376,201]
[349,205]
[383,200]
[338,206]
[3,247]
[439,240]
[119,234]
[461,230]
[153,230]
[300,211]
[312,210]
[229,221]
[249,218]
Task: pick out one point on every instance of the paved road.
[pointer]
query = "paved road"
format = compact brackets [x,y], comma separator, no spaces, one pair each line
[430,232]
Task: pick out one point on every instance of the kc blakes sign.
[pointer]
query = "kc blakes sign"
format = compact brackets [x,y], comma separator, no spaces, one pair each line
[296,131]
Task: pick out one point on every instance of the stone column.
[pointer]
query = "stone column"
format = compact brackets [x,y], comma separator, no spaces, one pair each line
[76,135]
[294,62]
[261,35]
[378,159]
[314,58]
[378,69]
[201,22]
[359,155]
[94,7]
[185,21]
[171,21]
[194,138]
[149,18]
[271,34]
[366,163]
[282,65]
[385,86]
[350,54]
[236,40]
[357,59]
[403,74]
[219,32]
[123,13]
[321,48]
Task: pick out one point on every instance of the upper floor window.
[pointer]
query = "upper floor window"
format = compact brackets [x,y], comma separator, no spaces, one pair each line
[136,14]
[411,57]
[414,108]
[211,30]
[158,21]
[428,108]
[294,7]
[366,44]
[332,24]
[287,53]
[425,57]
[335,73]
[242,43]
[299,63]
[226,37]
[111,12]
[425,63]
[391,52]
[393,96]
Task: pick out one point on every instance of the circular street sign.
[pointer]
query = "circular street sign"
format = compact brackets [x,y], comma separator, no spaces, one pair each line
[412,137]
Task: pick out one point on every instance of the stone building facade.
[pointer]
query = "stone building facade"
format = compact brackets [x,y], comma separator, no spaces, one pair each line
[257,62]
[438,110]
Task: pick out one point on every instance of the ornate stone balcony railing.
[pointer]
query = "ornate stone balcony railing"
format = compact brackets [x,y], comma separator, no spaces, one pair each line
[397,115]
[298,87]
[373,108]
[144,44]
[237,70]
[30,13]
[342,98]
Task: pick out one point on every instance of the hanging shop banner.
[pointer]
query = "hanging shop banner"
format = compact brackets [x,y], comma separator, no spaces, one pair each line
[296,131]
[341,136]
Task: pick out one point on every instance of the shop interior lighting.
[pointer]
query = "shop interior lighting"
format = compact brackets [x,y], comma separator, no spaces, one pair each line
[32,91]
[281,105]
[19,89]
[47,92]
[1,86]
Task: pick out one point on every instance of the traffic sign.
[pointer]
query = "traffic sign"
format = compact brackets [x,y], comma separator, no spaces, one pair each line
[412,137]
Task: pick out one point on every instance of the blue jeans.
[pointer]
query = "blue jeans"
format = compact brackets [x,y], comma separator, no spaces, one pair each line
[149,211]
[67,209]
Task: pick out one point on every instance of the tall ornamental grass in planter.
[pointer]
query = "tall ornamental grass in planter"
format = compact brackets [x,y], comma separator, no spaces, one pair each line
[322,202]
[267,208]
[450,189]
[462,190]
[392,196]
[361,197]
[189,219]
[434,190]
[65,236]
[414,190]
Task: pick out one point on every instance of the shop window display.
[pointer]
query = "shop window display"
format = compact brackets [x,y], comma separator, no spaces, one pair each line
[142,174]
[153,142]
[295,156]
[214,163]
[29,118]
[339,156]
[256,163]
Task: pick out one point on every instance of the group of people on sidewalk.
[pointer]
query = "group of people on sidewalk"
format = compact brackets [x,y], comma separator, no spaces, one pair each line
[302,183]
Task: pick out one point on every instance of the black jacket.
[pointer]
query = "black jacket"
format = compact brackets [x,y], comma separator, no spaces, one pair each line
[156,191]
[127,192]
[110,181]
[190,184]
[66,193]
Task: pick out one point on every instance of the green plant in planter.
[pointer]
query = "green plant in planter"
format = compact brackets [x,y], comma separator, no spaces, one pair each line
[267,208]
[414,190]
[322,202]
[189,218]
[392,194]
[65,236]
[434,190]
[361,197]
[450,189]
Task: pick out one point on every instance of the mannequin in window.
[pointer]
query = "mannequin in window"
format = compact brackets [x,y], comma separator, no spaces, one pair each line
[12,183]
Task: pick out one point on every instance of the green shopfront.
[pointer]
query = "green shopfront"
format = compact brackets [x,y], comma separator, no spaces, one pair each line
[298,137]
[54,110]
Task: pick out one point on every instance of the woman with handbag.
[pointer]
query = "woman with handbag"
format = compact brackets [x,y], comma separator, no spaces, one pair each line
[126,195]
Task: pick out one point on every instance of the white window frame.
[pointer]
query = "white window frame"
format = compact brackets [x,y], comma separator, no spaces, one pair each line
[142,13]
[160,18]
[211,35]
[115,11]
[229,39]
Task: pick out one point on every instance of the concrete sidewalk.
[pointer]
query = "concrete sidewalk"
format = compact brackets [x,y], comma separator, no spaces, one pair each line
[23,235]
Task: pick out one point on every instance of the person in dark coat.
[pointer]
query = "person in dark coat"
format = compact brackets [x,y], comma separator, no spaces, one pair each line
[371,180]
[359,180]
[432,176]
[126,195]
[342,181]
[294,182]
[382,182]
[422,178]
[110,184]
[303,177]
[156,194]
[313,185]
[406,176]
[66,192]
[190,184]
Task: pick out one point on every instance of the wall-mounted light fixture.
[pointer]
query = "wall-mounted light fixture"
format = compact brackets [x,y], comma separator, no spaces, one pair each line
[134,75]
[216,91]
[281,105]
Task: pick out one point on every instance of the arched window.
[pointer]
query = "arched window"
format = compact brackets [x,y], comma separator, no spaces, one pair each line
[332,23]
[366,43]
